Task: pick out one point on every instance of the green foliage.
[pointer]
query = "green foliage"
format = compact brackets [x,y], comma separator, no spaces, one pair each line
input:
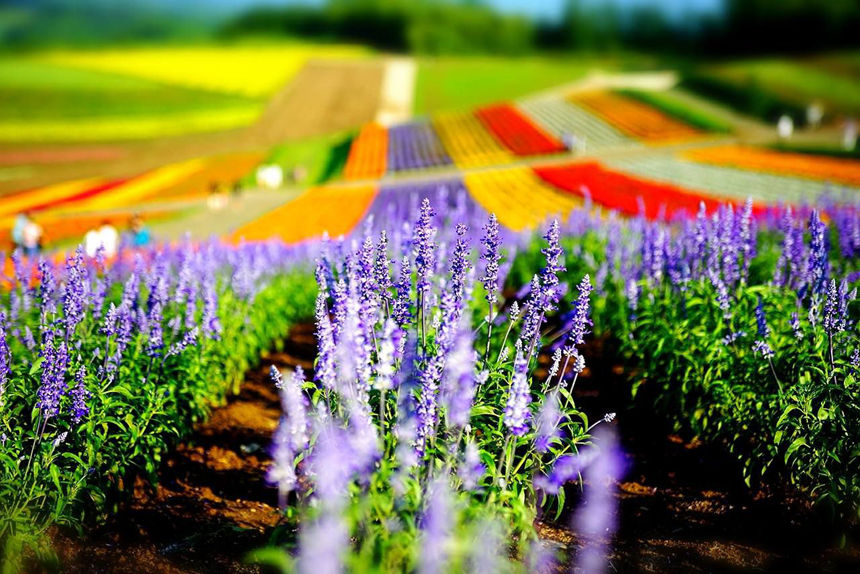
[56,471]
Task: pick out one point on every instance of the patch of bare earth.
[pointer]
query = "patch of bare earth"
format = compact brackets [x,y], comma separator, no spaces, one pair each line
[212,505]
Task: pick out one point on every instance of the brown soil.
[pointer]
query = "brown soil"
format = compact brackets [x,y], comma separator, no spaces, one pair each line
[682,506]
[212,505]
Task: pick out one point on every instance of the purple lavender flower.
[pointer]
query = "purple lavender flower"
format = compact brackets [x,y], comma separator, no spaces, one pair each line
[580,322]
[517,412]
[74,292]
[436,527]
[818,264]
[79,395]
[595,521]
[541,558]
[761,320]
[548,419]
[401,311]
[795,326]
[460,264]
[549,274]
[762,348]
[458,382]
[487,553]
[471,469]
[491,256]
[325,372]
[5,357]
[835,318]
[424,247]
[210,321]
[53,381]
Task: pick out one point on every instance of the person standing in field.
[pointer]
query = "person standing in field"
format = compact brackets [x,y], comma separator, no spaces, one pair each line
[138,232]
[31,237]
[21,221]
[106,237]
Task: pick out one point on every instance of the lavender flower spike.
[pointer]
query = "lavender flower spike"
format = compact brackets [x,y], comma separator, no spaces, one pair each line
[490,256]
[517,412]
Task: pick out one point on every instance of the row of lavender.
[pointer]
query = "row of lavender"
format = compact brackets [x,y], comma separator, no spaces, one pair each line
[742,331]
[415,145]
[103,365]
[425,399]
[425,402]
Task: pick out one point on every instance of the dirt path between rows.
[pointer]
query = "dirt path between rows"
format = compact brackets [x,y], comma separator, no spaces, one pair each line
[682,507]
[211,506]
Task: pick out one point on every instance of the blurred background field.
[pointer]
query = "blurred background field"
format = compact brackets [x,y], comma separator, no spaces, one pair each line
[109,108]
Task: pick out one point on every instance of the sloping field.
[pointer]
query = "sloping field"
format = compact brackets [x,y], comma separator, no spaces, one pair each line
[249,70]
[727,182]
[635,118]
[467,141]
[323,98]
[560,117]
[844,171]
[319,210]
[518,197]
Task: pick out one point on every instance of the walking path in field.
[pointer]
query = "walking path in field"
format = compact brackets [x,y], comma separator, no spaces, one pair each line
[398,91]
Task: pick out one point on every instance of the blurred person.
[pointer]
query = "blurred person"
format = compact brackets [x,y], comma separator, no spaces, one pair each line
[814,115]
[217,199]
[21,221]
[849,134]
[32,237]
[105,236]
[785,127]
[138,233]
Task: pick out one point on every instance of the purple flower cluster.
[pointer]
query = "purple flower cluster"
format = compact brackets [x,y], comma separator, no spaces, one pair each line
[415,145]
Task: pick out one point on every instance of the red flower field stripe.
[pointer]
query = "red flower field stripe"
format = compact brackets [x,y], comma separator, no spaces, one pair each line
[517,132]
[86,194]
[627,194]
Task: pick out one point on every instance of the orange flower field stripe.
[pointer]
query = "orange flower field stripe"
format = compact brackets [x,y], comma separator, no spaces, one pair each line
[467,141]
[845,171]
[41,196]
[635,118]
[141,187]
[368,153]
[518,197]
[336,210]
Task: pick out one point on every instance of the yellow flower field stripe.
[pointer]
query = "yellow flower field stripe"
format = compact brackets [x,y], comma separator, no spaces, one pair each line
[318,210]
[141,187]
[518,197]
[25,200]
[467,141]
[127,128]
[251,70]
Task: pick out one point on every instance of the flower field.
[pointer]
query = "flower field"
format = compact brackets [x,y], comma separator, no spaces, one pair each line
[367,154]
[560,117]
[485,333]
[635,118]
[245,70]
[467,141]
[516,132]
[838,171]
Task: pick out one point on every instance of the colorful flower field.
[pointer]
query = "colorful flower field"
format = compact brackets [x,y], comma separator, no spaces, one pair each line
[635,118]
[367,155]
[838,171]
[468,354]
[516,132]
